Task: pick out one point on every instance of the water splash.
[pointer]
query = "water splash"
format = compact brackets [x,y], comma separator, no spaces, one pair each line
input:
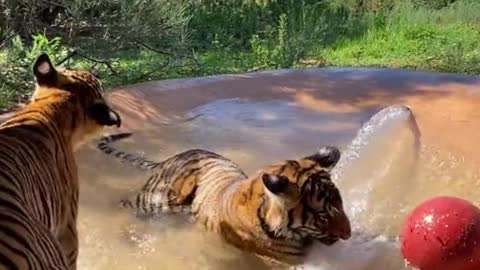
[386,148]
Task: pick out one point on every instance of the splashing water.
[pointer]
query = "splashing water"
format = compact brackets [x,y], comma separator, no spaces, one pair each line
[386,147]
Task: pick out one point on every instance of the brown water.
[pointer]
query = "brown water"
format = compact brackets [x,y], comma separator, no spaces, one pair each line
[256,119]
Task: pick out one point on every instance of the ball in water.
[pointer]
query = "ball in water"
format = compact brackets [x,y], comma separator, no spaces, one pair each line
[443,233]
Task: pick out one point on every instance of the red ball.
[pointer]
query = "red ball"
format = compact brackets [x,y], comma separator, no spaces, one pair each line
[443,233]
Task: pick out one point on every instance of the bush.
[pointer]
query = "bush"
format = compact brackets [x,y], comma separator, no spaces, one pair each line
[90,24]
[277,51]
[359,7]
[434,4]
[227,23]
[231,24]
[98,31]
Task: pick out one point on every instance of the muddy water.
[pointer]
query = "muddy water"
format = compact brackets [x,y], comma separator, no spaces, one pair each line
[256,119]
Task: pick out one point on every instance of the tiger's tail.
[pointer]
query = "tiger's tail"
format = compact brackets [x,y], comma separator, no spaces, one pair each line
[153,209]
[136,161]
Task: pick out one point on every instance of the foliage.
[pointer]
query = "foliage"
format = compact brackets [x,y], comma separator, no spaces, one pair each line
[232,23]
[22,55]
[417,37]
[90,24]
[302,27]
[139,40]
[16,79]
[98,31]
[366,6]
[281,53]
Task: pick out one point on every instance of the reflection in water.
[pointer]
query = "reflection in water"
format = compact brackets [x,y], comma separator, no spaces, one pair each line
[378,189]
[246,124]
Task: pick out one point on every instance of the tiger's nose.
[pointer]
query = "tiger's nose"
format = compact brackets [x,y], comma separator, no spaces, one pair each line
[345,232]
[341,227]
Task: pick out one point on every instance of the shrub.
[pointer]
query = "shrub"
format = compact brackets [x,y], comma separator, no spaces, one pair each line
[90,24]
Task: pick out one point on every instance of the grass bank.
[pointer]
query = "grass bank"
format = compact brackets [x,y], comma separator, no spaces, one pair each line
[446,40]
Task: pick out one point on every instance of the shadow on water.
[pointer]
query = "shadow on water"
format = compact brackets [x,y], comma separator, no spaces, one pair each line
[259,118]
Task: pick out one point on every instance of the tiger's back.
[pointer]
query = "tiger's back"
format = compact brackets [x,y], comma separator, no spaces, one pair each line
[38,173]
[185,182]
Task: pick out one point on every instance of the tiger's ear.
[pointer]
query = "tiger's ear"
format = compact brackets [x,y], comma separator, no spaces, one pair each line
[276,184]
[104,116]
[327,156]
[45,73]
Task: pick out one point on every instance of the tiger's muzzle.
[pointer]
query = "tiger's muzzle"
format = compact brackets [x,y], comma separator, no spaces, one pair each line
[340,226]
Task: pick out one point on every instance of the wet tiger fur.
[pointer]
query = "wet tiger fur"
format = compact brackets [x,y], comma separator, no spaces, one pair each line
[277,213]
[38,174]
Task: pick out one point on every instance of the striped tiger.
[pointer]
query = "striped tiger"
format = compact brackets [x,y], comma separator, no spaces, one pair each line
[276,214]
[38,173]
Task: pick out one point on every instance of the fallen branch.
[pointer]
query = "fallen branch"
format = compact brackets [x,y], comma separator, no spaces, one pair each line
[148,47]
[107,63]
[70,55]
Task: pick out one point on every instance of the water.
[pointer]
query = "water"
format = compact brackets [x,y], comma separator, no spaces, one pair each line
[385,149]
[255,128]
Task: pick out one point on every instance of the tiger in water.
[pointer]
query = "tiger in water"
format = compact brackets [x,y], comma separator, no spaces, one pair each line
[38,173]
[277,213]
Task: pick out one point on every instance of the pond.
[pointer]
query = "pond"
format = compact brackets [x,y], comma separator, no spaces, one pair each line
[259,118]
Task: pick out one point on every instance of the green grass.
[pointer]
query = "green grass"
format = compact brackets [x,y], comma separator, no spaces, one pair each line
[452,48]
[446,40]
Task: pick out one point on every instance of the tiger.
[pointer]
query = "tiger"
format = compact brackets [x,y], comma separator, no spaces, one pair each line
[277,214]
[39,187]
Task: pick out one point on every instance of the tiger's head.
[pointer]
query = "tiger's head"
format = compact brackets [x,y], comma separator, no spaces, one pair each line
[303,201]
[73,96]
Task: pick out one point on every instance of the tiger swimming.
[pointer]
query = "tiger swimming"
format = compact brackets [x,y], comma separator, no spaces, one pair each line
[38,173]
[276,214]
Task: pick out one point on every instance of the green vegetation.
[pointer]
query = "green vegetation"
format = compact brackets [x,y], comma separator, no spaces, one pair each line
[139,40]
[447,40]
